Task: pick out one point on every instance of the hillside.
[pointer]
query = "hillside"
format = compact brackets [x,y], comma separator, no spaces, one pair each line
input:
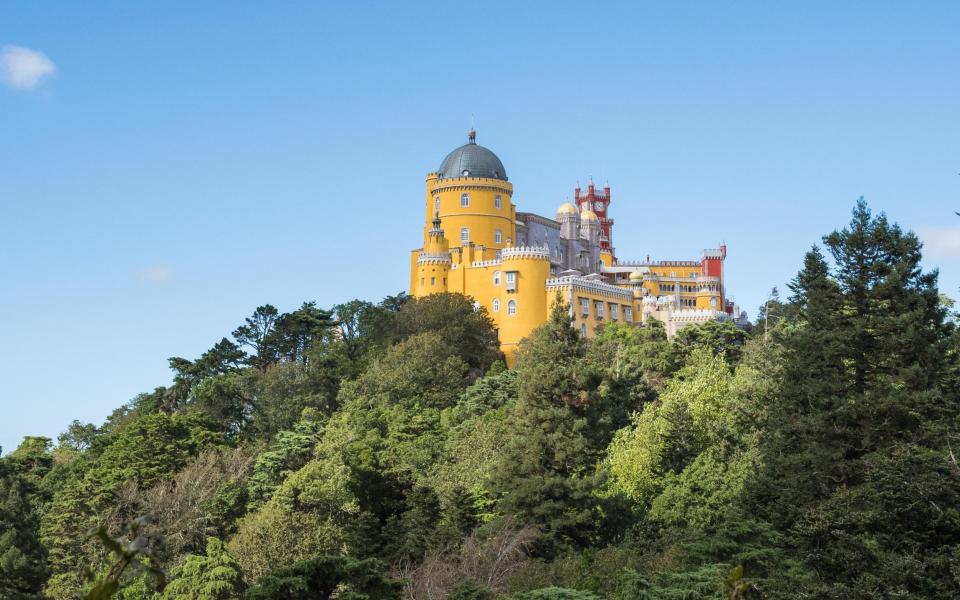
[383,450]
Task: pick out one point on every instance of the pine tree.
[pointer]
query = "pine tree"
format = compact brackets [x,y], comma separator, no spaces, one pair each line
[215,576]
[546,477]
[858,452]
[22,568]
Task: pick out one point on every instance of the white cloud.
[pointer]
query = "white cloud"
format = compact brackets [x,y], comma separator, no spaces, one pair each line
[23,68]
[155,274]
[940,242]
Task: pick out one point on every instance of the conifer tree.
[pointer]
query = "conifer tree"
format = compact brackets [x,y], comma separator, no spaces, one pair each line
[22,567]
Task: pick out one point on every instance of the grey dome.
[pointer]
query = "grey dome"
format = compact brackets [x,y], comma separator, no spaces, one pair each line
[472,160]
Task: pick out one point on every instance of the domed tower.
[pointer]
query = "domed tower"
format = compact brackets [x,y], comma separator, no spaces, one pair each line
[569,218]
[590,227]
[472,195]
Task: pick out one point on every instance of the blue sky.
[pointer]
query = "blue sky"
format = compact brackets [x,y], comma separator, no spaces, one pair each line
[165,168]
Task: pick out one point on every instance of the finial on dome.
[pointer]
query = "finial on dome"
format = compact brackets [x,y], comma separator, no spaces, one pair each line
[472,135]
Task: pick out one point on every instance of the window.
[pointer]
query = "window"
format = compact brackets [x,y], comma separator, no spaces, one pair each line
[497,202]
[583,330]
[433,281]
[496,278]
[584,307]
[512,307]
[693,275]
[498,237]
[598,306]
[496,305]
[713,302]
[614,311]
[627,314]
[464,200]
[509,241]
[465,234]
[436,204]
[673,273]
[511,281]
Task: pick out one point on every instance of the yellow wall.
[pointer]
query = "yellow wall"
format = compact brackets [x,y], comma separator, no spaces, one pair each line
[481,217]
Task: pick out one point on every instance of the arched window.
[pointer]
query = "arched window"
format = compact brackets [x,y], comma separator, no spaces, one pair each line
[713,302]
[498,236]
[436,204]
[496,278]
[512,307]
[496,305]
[497,203]
[583,330]
[465,234]
[464,200]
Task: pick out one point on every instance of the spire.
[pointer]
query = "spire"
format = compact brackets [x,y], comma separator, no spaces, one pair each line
[436,231]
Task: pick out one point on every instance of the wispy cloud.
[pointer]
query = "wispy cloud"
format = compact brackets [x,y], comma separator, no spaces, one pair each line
[155,274]
[23,68]
[941,242]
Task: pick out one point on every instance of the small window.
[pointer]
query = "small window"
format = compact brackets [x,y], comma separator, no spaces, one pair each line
[693,275]
[465,234]
[584,307]
[436,204]
[583,330]
[713,302]
[498,237]
[496,305]
[496,278]
[627,314]
[497,202]
[433,281]
[511,280]
[464,200]
[599,308]
[512,307]
[614,311]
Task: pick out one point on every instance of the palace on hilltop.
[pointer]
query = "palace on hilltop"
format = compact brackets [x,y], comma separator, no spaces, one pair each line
[516,264]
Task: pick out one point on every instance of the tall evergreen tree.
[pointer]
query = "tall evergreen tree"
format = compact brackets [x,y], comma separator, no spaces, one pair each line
[22,559]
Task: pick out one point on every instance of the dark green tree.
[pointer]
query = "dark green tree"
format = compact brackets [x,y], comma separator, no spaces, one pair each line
[22,559]
[319,578]
[462,326]
[257,333]
[546,476]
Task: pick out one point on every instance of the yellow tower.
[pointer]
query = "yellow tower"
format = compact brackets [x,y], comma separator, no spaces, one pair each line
[472,196]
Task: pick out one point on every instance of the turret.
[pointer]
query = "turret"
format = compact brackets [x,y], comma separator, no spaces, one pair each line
[569,218]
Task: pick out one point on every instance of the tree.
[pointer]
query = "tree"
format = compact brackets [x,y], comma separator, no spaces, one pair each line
[318,579]
[257,334]
[22,558]
[720,337]
[545,478]
[555,593]
[214,576]
[866,394]
[295,334]
[467,330]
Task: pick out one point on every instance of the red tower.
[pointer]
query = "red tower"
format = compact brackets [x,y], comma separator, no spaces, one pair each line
[599,203]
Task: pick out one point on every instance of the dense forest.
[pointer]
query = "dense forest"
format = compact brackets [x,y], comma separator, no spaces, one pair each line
[383,450]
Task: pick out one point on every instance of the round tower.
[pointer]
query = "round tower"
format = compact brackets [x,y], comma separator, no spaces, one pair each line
[433,262]
[569,218]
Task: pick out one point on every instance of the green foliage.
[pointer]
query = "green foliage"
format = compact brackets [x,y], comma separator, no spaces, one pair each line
[129,559]
[554,593]
[22,559]
[545,478]
[306,516]
[290,451]
[468,331]
[471,591]
[721,338]
[319,578]
[148,450]
[214,576]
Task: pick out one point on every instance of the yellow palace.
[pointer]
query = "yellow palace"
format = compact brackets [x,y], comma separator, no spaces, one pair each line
[514,264]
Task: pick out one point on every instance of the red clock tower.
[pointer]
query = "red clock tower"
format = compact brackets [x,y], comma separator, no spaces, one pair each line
[599,203]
